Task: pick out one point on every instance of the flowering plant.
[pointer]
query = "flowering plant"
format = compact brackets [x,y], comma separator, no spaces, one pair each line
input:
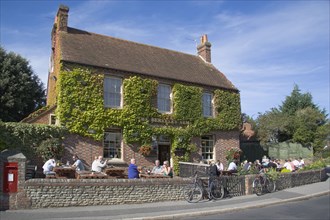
[145,150]
[234,153]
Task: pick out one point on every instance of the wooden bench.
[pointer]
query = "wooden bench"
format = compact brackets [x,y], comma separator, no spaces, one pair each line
[116,172]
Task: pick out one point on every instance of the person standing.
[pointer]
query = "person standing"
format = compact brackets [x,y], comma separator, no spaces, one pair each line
[214,172]
[133,172]
[77,163]
[219,166]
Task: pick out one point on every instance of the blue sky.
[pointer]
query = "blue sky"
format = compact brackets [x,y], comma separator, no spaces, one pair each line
[263,47]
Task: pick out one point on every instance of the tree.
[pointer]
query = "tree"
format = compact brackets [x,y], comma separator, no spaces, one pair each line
[297,101]
[21,91]
[298,119]
[322,136]
[273,126]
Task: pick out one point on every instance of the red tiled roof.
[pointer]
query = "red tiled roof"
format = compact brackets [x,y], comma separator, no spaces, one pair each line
[87,48]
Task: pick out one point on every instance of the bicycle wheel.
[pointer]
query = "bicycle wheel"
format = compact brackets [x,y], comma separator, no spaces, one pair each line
[257,187]
[192,193]
[217,190]
[270,185]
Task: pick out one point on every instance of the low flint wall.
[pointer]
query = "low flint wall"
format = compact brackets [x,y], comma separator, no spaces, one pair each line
[44,193]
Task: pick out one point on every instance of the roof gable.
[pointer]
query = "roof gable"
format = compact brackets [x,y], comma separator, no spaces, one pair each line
[103,51]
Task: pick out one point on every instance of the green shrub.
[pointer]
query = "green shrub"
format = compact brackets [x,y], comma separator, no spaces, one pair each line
[51,148]
[320,163]
[27,137]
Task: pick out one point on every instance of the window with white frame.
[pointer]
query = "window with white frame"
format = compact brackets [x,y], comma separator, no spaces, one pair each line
[207,143]
[112,144]
[164,98]
[112,92]
[207,105]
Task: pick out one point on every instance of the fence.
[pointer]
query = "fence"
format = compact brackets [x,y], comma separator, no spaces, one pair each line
[241,185]
[234,185]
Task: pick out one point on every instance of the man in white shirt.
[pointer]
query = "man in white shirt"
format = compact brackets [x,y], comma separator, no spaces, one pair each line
[157,168]
[48,166]
[98,165]
[232,166]
[219,166]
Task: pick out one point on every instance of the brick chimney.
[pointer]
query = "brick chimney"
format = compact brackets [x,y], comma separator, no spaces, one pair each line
[204,49]
[61,19]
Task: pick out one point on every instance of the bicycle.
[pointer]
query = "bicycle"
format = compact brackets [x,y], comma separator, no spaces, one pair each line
[194,192]
[263,183]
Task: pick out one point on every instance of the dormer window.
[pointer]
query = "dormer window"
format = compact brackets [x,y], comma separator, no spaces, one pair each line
[164,102]
[112,92]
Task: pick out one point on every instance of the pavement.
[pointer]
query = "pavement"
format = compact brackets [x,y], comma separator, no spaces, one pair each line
[173,209]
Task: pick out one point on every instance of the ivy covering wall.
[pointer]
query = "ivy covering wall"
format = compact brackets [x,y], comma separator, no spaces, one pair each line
[81,109]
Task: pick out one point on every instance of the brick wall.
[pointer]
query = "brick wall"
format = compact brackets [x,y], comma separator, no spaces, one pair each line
[226,140]
[87,149]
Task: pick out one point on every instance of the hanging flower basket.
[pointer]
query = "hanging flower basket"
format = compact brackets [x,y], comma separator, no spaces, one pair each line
[145,150]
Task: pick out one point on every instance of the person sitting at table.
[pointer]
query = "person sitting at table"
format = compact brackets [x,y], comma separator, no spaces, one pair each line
[233,166]
[77,163]
[157,168]
[99,164]
[167,170]
[133,172]
[48,166]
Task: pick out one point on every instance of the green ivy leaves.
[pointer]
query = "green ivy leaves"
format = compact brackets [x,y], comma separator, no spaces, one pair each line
[81,108]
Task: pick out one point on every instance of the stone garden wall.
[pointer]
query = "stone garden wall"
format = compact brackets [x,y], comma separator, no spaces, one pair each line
[44,193]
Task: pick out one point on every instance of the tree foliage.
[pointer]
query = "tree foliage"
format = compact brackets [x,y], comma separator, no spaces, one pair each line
[298,119]
[297,101]
[21,91]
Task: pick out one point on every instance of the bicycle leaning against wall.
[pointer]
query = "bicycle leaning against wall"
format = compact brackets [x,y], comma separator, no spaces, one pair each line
[194,192]
[263,183]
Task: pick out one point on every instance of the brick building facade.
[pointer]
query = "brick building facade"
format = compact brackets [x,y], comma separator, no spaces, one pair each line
[118,60]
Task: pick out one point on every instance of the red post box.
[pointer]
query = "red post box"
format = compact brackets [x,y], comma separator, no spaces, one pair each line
[10,177]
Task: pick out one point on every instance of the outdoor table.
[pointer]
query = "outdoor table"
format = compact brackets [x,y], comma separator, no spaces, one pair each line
[115,172]
[64,172]
[149,176]
[90,175]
